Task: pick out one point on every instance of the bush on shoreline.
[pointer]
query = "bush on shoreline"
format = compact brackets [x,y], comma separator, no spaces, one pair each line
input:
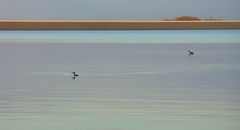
[191,18]
[187,18]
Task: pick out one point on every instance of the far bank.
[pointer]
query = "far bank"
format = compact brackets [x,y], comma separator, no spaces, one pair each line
[118,25]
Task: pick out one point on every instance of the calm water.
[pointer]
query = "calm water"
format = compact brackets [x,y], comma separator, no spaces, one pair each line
[128,80]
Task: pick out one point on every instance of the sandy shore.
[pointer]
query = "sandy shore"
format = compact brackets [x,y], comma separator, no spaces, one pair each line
[117,25]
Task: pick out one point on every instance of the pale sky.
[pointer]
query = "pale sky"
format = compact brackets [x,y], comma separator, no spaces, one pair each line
[118,9]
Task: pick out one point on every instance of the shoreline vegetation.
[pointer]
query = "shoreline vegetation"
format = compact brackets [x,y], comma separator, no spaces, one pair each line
[178,23]
[192,18]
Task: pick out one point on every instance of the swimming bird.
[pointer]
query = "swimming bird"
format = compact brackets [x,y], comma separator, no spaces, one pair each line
[190,52]
[74,75]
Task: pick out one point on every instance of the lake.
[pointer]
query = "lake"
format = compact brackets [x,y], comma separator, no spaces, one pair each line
[128,80]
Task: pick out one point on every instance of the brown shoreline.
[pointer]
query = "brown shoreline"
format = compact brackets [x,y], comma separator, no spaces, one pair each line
[118,25]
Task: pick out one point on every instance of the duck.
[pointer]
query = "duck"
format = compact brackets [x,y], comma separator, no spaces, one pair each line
[74,75]
[190,52]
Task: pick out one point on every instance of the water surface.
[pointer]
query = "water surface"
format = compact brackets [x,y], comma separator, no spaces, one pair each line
[128,80]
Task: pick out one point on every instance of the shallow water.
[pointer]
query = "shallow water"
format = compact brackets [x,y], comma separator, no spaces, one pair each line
[121,86]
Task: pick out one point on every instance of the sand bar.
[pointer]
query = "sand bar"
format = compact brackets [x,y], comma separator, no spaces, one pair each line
[118,25]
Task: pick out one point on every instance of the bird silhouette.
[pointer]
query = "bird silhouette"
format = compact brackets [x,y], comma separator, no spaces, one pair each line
[190,52]
[74,75]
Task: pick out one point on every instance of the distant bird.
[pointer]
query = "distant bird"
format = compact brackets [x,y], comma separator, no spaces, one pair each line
[190,52]
[74,75]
